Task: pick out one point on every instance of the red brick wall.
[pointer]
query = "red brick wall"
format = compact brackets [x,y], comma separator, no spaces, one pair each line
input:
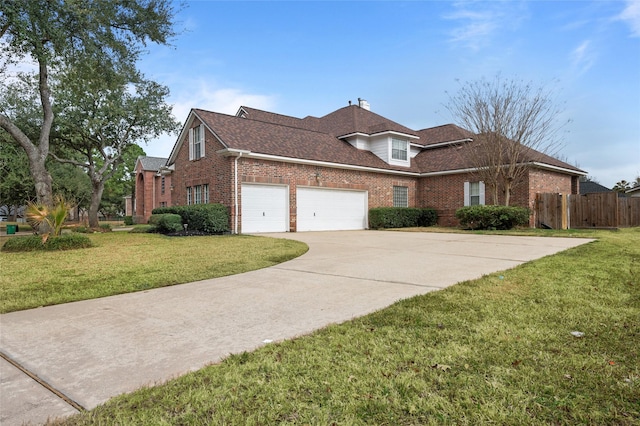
[213,169]
[444,193]
[379,186]
[149,193]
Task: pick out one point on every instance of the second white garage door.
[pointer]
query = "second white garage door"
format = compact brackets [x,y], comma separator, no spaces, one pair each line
[322,209]
[265,208]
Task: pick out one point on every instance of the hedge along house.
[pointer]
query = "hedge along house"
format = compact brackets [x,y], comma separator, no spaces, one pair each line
[278,173]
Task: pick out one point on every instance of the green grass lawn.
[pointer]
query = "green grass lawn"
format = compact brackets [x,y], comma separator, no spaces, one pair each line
[497,350]
[124,262]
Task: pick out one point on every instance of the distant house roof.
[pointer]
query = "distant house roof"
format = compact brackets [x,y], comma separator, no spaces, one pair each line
[634,190]
[589,187]
[152,163]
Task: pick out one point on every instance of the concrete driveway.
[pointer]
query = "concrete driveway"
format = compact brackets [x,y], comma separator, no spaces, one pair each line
[81,354]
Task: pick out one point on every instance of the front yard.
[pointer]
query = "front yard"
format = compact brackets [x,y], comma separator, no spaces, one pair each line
[124,262]
[498,350]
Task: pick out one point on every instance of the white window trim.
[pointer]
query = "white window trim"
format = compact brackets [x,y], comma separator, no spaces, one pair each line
[197,194]
[188,195]
[406,189]
[406,150]
[467,193]
[193,142]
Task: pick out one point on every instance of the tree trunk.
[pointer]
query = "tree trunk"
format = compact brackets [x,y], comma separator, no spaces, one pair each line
[41,177]
[96,197]
[494,194]
[507,192]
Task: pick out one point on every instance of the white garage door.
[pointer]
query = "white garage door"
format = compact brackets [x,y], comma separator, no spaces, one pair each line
[322,209]
[265,208]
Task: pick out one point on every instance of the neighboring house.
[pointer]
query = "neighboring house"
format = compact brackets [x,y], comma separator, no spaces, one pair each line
[633,192]
[153,187]
[278,173]
[589,187]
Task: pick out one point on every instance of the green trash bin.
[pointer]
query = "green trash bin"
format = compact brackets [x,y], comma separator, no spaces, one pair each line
[11,229]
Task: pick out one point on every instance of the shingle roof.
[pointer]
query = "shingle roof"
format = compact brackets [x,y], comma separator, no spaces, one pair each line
[263,137]
[345,121]
[152,163]
[318,139]
[588,187]
[444,133]
[460,157]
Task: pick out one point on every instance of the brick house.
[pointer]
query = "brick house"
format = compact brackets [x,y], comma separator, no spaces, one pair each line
[153,187]
[278,173]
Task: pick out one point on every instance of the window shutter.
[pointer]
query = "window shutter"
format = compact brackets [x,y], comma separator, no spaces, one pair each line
[481,187]
[202,140]
[190,144]
[467,198]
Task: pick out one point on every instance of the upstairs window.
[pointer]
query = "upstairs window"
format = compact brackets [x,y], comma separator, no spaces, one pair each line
[399,149]
[400,196]
[196,142]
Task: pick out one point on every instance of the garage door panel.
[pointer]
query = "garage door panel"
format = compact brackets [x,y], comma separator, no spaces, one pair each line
[322,209]
[265,208]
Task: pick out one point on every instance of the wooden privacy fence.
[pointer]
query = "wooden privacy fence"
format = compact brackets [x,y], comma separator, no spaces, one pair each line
[599,210]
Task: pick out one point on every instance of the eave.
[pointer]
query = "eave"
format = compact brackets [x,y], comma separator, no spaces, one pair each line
[231,152]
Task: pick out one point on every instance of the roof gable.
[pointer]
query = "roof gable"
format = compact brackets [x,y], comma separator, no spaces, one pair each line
[151,163]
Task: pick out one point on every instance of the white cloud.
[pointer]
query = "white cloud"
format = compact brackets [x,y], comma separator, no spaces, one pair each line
[479,21]
[631,15]
[583,57]
[204,95]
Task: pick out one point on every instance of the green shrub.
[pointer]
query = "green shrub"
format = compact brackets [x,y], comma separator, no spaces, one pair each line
[34,243]
[82,230]
[128,220]
[105,227]
[166,223]
[144,229]
[208,218]
[492,217]
[401,217]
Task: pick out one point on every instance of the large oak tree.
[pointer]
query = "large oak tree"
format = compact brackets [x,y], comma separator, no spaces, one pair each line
[100,120]
[58,33]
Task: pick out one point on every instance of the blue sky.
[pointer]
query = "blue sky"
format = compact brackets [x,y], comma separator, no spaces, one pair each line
[310,58]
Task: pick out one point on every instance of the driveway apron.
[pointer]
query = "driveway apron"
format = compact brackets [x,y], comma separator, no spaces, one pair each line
[78,355]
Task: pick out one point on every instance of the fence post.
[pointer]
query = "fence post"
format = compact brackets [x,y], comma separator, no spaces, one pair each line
[568,211]
[563,204]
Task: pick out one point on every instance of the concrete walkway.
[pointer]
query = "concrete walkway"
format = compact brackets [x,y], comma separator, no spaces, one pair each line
[86,352]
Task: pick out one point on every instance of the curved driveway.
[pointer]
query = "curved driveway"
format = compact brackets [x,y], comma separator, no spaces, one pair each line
[93,350]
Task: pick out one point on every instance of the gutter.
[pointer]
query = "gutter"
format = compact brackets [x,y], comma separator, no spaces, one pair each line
[441,144]
[233,152]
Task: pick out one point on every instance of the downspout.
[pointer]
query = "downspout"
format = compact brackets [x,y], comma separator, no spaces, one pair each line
[153,198]
[235,176]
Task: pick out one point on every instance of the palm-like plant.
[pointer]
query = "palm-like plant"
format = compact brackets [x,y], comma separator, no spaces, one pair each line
[48,220]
